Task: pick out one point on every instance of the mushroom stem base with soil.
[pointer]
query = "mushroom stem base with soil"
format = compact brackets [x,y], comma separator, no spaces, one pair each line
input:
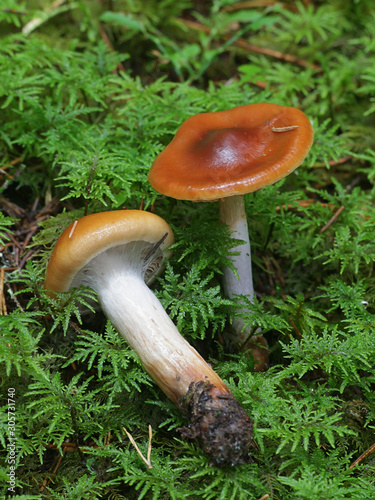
[232,213]
[216,419]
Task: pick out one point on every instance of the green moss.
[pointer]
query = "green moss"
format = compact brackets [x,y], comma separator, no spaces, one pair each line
[90,93]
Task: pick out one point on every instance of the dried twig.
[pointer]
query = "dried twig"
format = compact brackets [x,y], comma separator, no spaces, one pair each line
[333,163]
[284,129]
[17,251]
[51,10]
[147,460]
[3,307]
[103,34]
[303,204]
[149,444]
[299,334]
[363,456]
[257,3]
[14,11]
[332,219]
[47,481]
[12,163]
[243,44]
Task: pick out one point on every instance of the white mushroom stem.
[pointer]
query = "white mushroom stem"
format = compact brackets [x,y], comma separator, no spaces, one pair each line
[140,318]
[232,213]
[215,417]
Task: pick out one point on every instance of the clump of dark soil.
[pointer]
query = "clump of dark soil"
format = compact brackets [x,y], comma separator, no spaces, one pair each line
[219,423]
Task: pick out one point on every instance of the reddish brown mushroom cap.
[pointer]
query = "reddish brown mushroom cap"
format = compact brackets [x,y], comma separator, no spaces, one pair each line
[226,153]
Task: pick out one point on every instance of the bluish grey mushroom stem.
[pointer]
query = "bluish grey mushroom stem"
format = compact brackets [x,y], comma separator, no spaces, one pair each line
[233,214]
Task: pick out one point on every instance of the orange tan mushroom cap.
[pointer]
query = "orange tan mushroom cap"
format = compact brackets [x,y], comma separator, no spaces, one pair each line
[226,153]
[93,234]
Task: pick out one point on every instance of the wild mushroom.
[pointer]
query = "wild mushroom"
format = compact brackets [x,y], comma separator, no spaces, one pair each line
[112,253]
[224,155]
